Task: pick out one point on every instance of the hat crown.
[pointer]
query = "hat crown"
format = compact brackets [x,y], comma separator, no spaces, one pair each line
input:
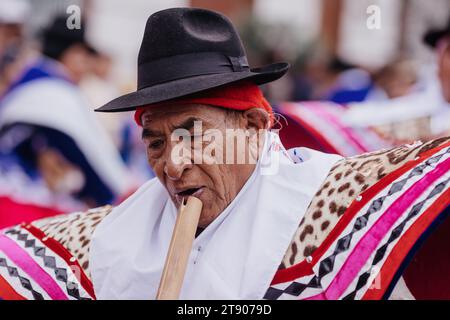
[186,51]
[180,31]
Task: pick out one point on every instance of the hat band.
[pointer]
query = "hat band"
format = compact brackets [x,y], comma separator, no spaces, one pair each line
[188,65]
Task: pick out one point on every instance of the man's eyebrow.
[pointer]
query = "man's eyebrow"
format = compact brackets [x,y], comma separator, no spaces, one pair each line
[147,133]
[188,124]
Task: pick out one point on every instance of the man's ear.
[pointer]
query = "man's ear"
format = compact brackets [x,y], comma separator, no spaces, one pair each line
[256,118]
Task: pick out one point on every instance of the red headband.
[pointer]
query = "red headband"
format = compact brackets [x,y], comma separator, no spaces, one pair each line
[236,96]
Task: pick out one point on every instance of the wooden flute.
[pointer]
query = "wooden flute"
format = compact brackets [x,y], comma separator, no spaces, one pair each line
[180,247]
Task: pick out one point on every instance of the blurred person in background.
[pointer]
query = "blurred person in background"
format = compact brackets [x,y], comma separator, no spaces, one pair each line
[49,135]
[99,87]
[13,15]
[420,115]
[440,41]
[396,79]
[348,83]
[132,153]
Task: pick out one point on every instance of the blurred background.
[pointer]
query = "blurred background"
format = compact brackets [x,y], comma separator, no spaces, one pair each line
[308,33]
[363,63]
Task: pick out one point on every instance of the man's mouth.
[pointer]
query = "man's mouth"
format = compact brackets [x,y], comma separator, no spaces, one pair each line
[185,193]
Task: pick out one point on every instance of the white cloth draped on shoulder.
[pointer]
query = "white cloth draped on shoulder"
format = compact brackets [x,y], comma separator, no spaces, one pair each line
[235,257]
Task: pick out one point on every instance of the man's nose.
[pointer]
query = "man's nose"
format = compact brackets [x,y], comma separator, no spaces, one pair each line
[176,165]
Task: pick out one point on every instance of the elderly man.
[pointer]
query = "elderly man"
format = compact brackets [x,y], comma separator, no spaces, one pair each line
[275,223]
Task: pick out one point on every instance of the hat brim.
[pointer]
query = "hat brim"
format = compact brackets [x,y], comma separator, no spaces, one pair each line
[182,87]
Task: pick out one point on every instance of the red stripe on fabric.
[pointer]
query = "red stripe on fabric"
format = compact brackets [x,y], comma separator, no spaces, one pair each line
[303,268]
[60,250]
[320,110]
[404,245]
[7,292]
[24,261]
[371,239]
[288,107]
[299,270]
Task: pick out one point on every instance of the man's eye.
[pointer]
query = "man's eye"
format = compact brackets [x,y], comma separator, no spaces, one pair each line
[155,144]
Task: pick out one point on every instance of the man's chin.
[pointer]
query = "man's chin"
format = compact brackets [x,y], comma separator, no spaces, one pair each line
[206,218]
[208,214]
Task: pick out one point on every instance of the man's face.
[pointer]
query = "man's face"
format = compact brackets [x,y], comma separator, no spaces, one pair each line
[215,184]
[444,70]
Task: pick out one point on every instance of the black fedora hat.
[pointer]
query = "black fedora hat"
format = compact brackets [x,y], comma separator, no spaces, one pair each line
[186,51]
[433,36]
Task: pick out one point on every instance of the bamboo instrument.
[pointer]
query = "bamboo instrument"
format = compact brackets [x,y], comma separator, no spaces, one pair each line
[180,247]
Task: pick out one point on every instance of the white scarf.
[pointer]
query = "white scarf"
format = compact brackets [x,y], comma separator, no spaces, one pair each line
[235,257]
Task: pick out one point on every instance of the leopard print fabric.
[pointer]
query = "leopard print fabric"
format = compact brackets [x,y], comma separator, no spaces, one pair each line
[74,231]
[346,180]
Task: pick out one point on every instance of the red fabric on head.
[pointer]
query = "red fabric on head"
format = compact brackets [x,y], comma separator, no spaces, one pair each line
[236,96]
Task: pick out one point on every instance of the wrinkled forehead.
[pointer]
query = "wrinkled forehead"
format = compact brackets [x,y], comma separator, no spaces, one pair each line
[172,114]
